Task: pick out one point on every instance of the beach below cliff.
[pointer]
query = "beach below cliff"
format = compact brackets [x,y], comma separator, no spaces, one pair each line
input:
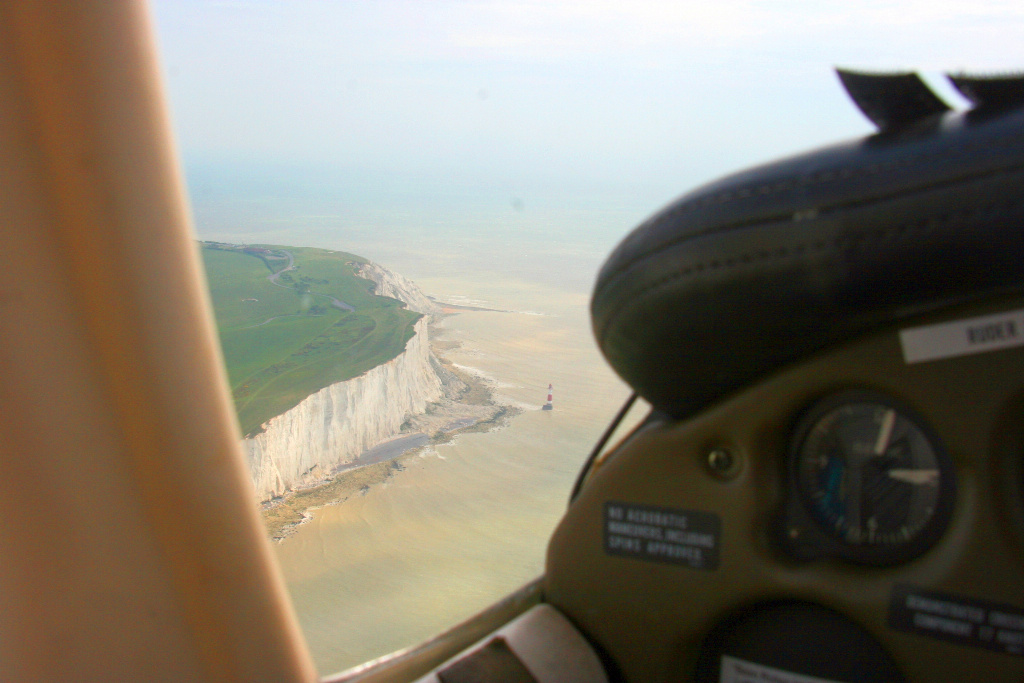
[469,406]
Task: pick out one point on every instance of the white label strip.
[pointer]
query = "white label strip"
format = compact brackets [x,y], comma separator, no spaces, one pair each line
[963,337]
[736,670]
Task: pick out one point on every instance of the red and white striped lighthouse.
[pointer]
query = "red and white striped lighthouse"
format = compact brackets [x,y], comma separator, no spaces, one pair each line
[548,406]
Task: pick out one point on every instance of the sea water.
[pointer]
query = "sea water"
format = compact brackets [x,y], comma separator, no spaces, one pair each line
[467,522]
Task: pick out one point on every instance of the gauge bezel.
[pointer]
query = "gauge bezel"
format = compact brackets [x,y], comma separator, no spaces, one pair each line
[803,533]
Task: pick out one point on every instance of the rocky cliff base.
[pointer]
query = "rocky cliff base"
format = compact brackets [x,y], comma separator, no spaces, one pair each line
[471,409]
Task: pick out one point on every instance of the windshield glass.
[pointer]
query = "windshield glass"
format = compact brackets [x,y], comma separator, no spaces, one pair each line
[473,163]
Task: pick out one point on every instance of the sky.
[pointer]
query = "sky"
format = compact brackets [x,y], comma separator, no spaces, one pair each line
[596,91]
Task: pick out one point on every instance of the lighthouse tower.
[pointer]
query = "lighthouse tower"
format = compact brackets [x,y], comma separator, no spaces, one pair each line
[548,406]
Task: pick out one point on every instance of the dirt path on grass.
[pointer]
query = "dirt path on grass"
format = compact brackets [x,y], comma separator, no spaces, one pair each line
[336,303]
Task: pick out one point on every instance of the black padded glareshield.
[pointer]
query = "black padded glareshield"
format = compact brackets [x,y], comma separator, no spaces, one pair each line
[756,271]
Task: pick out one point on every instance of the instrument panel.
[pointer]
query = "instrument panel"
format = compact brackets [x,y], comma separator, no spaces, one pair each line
[869,482]
[857,493]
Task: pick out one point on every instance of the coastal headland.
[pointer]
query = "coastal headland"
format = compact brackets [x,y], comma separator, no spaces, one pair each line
[294,320]
[337,374]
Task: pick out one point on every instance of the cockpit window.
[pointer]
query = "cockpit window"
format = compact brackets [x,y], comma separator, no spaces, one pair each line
[402,209]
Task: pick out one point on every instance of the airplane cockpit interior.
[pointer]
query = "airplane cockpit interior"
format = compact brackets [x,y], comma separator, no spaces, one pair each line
[829,485]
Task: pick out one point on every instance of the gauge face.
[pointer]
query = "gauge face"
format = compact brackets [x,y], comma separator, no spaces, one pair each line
[871,475]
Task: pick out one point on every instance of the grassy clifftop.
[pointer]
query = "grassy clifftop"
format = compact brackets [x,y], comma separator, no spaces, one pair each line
[285,341]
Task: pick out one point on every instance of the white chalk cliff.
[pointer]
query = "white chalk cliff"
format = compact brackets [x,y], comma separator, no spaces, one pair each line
[397,287]
[338,423]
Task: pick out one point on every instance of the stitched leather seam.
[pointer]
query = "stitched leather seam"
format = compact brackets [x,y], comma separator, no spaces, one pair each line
[988,147]
[903,230]
[612,277]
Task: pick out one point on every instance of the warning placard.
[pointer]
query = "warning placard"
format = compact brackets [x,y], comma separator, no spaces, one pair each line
[659,534]
[957,619]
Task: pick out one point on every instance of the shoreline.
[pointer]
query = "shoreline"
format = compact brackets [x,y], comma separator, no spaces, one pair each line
[283,515]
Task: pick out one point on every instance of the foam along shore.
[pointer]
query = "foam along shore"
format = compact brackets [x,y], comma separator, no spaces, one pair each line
[353,434]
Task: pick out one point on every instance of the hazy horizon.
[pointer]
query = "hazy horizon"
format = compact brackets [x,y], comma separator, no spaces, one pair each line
[558,124]
[657,96]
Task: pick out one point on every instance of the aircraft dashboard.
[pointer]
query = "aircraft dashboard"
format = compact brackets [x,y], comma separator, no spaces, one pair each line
[830,486]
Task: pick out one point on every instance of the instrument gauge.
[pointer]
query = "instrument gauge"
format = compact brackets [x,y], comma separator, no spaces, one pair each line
[872,480]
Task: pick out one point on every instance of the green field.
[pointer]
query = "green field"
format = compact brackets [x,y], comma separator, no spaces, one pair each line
[283,343]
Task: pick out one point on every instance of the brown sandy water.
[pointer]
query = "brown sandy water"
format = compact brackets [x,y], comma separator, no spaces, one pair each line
[461,524]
